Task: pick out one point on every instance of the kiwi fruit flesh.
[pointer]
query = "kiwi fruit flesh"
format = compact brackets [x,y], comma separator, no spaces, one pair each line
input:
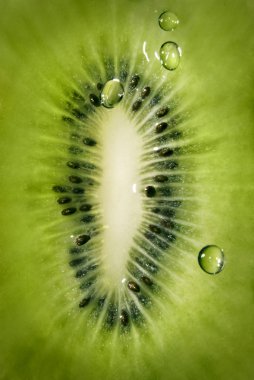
[187,324]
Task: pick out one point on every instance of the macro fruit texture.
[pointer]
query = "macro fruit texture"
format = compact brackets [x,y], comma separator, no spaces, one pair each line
[199,325]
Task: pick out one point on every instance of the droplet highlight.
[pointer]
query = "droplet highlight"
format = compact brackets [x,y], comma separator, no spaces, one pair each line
[168,21]
[170,55]
[112,93]
[211,259]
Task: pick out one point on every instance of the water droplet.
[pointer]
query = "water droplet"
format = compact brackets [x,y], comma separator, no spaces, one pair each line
[168,21]
[211,259]
[112,93]
[170,54]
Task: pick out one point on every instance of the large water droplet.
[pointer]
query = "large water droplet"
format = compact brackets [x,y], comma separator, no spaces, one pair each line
[112,93]
[211,259]
[170,54]
[168,21]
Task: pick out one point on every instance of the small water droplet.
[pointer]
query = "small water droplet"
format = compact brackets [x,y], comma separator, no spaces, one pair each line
[170,55]
[112,93]
[211,259]
[168,21]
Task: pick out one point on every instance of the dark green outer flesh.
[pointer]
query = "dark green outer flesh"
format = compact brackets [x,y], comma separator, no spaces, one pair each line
[207,330]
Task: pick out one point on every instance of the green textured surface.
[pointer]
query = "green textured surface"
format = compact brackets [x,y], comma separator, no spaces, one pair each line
[207,332]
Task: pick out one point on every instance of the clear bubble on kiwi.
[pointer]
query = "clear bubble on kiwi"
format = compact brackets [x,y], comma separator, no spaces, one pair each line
[170,55]
[211,259]
[168,21]
[112,93]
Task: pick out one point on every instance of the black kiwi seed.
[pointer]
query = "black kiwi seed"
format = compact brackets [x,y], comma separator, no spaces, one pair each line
[101,301]
[85,207]
[77,96]
[165,152]
[87,219]
[99,86]
[124,318]
[75,250]
[145,92]
[59,189]
[161,127]
[123,75]
[145,300]
[162,112]
[78,190]
[88,166]
[73,165]
[136,105]
[95,101]
[79,115]
[147,280]
[69,211]
[85,301]
[89,142]
[92,267]
[68,119]
[75,150]
[133,286]
[87,284]
[154,229]
[134,81]
[75,179]
[77,262]
[155,100]
[160,178]
[81,273]
[135,313]
[63,200]
[111,315]
[156,210]
[150,191]
[82,239]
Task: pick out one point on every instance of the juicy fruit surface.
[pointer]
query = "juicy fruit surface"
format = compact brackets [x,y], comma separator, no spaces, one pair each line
[204,328]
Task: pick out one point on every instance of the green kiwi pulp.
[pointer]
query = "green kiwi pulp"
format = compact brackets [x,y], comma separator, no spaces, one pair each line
[81,299]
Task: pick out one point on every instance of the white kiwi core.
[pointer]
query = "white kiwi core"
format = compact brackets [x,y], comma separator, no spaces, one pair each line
[120,192]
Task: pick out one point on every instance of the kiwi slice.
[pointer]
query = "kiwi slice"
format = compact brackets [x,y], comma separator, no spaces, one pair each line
[189,132]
